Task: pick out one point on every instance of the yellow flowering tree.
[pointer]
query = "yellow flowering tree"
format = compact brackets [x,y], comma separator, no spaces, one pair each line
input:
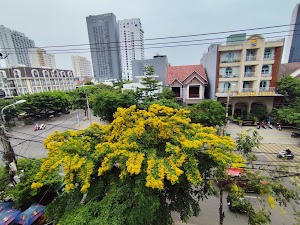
[147,163]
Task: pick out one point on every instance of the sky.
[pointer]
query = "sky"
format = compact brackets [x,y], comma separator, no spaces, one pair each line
[63,22]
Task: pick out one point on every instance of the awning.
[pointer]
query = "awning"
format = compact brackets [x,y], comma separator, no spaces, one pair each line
[30,215]
[5,205]
[8,215]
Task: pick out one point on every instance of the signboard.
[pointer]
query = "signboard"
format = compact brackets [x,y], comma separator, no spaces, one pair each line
[253,94]
[253,42]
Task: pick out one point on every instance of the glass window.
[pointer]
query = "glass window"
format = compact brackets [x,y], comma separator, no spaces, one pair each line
[228,72]
[226,86]
[265,69]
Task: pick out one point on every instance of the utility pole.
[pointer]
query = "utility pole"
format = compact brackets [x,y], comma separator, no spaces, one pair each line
[9,157]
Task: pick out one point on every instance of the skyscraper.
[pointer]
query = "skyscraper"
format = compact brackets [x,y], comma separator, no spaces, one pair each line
[293,45]
[131,37]
[15,44]
[39,58]
[81,66]
[104,44]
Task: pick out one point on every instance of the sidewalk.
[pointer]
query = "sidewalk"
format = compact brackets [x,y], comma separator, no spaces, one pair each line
[85,122]
[269,135]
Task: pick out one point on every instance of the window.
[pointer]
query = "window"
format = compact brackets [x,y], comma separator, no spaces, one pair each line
[176,90]
[2,74]
[226,86]
[229,56]
[228,72]
[17,73]
[267,53]
[265,69]
[263,86]
[46,73]
[35,73]
[194,92]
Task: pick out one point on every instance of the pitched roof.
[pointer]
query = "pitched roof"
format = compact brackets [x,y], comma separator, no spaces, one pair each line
[288,68]
[182,72]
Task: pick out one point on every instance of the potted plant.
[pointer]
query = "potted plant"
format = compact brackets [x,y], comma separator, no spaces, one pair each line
[240,121]
[255,120]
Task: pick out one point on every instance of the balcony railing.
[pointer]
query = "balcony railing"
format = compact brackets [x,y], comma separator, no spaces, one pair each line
[230,60]
[225,90]
[267,89]
[268,57]
[265,74]
[249,90]
[228,75]
[250,58]
[249,74]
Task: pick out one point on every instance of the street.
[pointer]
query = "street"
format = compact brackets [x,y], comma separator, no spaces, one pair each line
[29,143]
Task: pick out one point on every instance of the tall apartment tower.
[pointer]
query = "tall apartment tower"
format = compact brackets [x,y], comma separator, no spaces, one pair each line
[293,45]
[15,44]
[104,44]
[81,66]
[39,58]
[131,36]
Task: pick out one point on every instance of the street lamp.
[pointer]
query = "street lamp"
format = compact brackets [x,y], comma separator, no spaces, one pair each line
[16,103]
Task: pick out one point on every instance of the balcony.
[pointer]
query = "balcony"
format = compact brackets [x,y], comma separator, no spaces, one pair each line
[225,90]
[228,75]
[250,58]
[249,74]
[267,89]
[268,57]
[265,74]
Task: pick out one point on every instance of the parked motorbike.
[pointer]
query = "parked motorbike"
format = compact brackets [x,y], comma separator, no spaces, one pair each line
[286,154]
[295,134]
[279,127]
[39,127]
[270,126]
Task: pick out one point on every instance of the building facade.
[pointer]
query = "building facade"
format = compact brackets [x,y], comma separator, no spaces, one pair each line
[292,53]
[39,58]
[15,44]
[104,45]
[247,73]
[81,66]
[131,38]
[187,82]
[27,80]
[159,63]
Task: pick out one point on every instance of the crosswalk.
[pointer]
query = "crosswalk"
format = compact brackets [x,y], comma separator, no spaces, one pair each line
[270,151]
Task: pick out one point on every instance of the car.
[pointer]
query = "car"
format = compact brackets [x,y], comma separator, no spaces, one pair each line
[295,134]
[287,154]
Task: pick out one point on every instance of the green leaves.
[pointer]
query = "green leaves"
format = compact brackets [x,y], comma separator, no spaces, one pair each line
[245,142]
[208,113]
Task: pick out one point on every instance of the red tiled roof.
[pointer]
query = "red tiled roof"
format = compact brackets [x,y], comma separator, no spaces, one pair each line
[182,72]
[288,68]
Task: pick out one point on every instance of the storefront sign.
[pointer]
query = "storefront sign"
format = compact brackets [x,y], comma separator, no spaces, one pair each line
[249,94]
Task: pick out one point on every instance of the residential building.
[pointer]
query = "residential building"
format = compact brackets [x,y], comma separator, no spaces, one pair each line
[187,82]
[246,72]
[292,69]
[81,66]
[15,44]
[15,81]
[104,45]
[292,53]
[39,58]
[131,37]
[159,64]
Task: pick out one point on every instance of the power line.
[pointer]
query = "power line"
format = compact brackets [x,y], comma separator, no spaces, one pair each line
[159,43]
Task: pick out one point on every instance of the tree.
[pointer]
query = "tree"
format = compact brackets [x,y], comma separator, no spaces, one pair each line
[149,163]
[89,83]
[150,84]
[290,88]
[22,194]
[44,102]
[106,103]
[208,113]
[246,142]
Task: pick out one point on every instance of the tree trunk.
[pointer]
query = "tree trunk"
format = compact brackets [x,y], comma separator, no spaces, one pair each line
[221,206]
